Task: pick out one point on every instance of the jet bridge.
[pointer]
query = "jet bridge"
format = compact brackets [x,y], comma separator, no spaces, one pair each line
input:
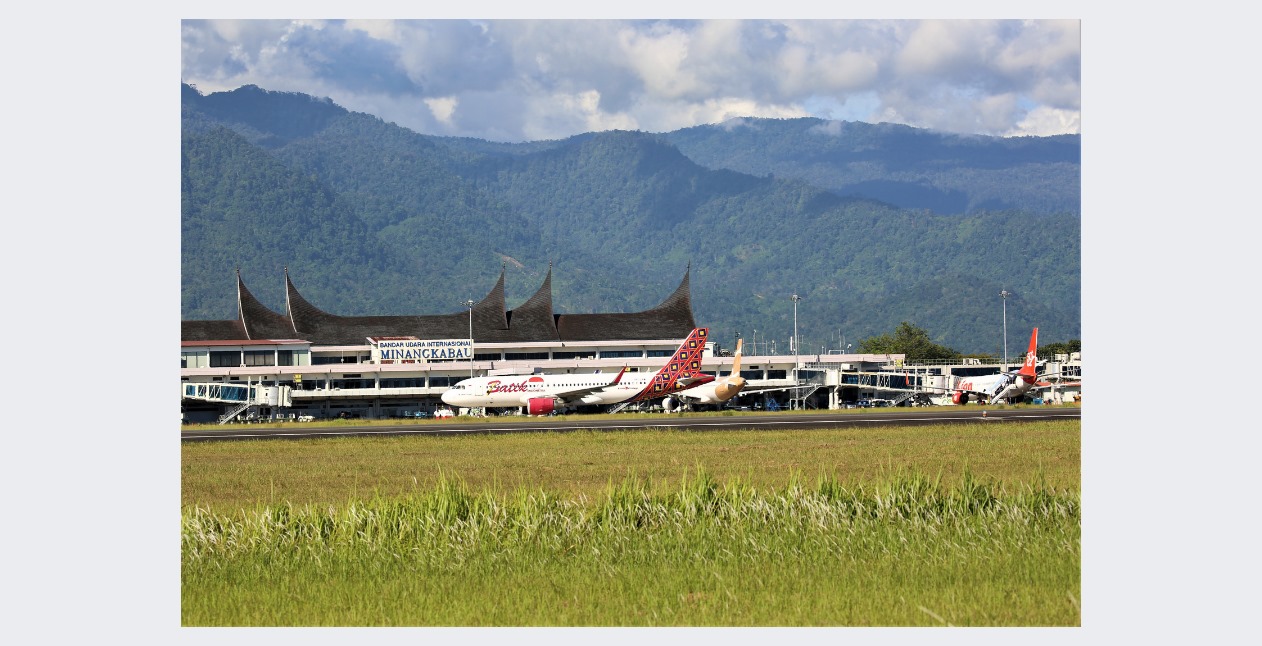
[901,383]
[238,398]
[222,393]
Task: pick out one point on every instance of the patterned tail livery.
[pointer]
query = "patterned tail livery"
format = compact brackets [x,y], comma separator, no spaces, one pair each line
[1030,368]
[682,371]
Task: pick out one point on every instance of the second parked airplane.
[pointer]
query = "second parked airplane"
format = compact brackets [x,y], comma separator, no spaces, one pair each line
[715,393]
[1008,387]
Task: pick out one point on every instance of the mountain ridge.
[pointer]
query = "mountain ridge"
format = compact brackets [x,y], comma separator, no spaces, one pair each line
[381,220]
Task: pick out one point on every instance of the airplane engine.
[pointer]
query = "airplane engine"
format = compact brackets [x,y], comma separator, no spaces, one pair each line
[669,404]
[960,397]
[540,405]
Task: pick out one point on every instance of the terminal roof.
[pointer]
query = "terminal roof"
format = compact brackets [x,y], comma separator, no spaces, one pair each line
[534,321]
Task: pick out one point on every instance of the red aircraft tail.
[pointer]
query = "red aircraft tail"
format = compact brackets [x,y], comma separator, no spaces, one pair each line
[682,371]
[1030,367]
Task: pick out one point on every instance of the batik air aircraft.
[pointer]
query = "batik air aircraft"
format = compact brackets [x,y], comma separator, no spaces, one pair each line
[1006,386]
[542,394]
[715,393]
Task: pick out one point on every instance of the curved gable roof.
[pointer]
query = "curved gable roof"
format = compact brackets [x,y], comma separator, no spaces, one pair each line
[533,321]
[322,328]
[211,330]
[672,319]
[258,321]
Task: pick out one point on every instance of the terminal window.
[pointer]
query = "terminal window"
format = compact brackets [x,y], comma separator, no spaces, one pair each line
[403,383]
[225,359]
[324,361]
[619,354]
[521,356]
[259,358]
[352,384]
[585,354]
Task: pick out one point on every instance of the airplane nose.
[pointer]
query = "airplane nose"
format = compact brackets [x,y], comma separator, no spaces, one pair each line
[447,397]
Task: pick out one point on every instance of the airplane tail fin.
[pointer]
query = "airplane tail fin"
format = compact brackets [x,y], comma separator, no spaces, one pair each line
[1030,367]
[733,383]
[684,365]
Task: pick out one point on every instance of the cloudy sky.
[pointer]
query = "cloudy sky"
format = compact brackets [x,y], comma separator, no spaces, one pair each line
[519,80]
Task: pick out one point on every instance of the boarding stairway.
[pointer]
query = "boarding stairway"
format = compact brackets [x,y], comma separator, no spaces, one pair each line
[903,396]
[233,412]
[801,396]
[618,407]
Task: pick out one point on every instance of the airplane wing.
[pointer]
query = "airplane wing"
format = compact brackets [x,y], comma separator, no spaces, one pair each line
[578,393]
[1066,383]
[694,394]
[755,391]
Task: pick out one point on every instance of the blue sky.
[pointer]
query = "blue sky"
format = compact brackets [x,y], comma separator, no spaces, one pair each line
[530,79]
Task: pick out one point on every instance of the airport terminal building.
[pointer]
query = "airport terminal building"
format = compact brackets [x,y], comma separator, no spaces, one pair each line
[306,363]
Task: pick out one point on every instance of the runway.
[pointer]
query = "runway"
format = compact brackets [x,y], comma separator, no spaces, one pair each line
[760,421]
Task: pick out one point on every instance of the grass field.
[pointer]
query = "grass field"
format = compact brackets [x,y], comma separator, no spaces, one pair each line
[960,524]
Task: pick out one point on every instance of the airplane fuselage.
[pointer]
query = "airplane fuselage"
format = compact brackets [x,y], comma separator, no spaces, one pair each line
[542,394]
[1008,386]
[501,392]
[718,391]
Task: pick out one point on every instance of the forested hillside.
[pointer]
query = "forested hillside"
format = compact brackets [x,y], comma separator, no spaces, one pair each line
[901,165]
[372,218]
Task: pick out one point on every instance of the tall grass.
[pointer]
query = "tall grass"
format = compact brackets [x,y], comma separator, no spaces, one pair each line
[232,475]
[904,551]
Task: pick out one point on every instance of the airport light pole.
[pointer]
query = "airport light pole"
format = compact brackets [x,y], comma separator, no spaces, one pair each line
[469,304]
[1005,294]
[796,364]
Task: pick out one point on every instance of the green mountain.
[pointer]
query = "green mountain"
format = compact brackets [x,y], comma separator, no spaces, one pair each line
[372,218]
[901,165]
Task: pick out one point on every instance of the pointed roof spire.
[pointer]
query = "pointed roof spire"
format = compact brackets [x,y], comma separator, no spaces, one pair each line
[489,315]
[259,321]
[534,318]
[672,319]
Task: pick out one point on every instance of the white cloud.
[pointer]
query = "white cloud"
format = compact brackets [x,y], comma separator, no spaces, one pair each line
[587,104]
[995,112]
[1044,121]
[658,57]
[381,29]
[443,108]
[665,117]
[521,79]
[1044,45]
[945,48]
